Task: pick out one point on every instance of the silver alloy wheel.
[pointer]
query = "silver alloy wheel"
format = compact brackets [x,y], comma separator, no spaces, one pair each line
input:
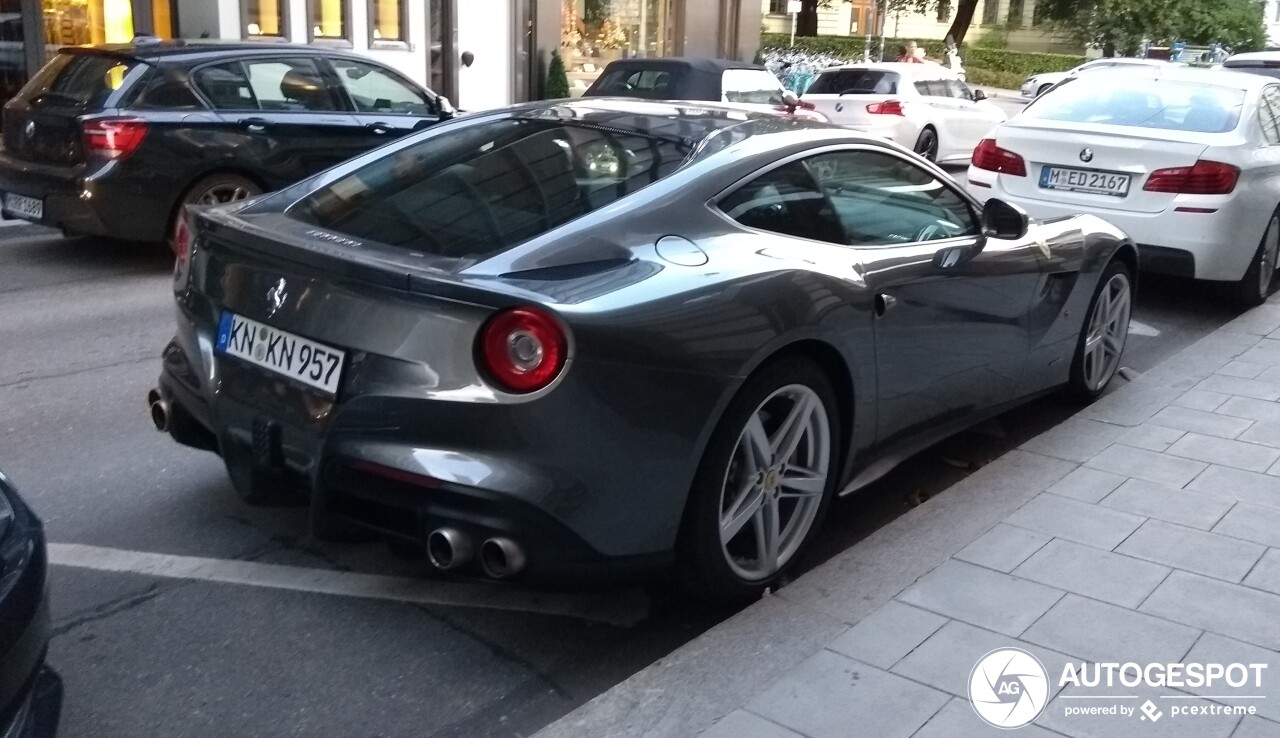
[223,193]
[1267,259]
[775,482]
[1108,329]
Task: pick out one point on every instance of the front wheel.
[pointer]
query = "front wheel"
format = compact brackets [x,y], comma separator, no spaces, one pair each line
[1255,286]
[764,483]
[1103,334]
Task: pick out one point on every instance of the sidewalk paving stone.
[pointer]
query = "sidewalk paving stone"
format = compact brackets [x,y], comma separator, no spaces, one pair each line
[1255,388]
[1097,631]
[947,658]
[1074,439]
[1062,517]
[1266,351]
[1232,610]
[1150,437]
[1265,433]
[1087,485]
[1216,649]
[1199,421]
[742,724]
[886,635]
[1266,575]
[1256,727]
[1102,575]
[1260,321]
[1171,504]
[1198,551]
[1236,454]
[832,696]
[1003,547]
[1201,400]
[1237,484]
[1149,465]
[1242,369]
[981,597]
[958,720]
[1247,407]
[1252,523]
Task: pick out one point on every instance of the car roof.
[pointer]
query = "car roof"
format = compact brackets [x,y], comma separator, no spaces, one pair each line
[693,63]
[1180,73]
[1254,56]
[906,69]
[150,49]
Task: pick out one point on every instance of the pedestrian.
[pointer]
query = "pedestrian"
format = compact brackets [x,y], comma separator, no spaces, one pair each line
[910,54]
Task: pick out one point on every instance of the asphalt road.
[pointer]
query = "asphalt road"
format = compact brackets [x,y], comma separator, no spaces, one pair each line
[173,619]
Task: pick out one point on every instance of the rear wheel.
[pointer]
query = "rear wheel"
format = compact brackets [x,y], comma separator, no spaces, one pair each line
[216,189]
[764,483]
[927,144]
[1258,280]
[1103,334]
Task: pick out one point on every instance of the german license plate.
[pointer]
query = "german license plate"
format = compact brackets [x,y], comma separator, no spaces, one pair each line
[289,355]
[1084,180]
[21,206]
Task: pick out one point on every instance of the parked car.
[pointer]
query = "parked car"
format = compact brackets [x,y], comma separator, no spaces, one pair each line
[114,140]
[1038,84]
[588,337]
[1183,160]
[925,107]
[745,85]
[30,692]
[1256,62]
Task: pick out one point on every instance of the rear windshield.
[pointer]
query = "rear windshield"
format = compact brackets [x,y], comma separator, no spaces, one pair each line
[654,84]
[83,80]
[1144,103]
[478,190]
[1268,69]
[755,86]
[855,82]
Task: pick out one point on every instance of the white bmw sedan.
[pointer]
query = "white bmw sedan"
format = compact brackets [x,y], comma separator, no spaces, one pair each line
[924,107]
[1038,84]
[1186,161]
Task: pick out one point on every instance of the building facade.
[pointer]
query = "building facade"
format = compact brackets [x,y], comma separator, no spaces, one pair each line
[1272,17]
[1014,21]
[479,53]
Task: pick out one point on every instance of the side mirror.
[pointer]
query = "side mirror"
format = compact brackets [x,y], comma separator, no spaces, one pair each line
[979,96]
[790,100]
[446,107]
[1004,221]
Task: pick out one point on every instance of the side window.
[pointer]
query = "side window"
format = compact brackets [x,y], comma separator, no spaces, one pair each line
[226,86]
[785,200]
[958,90]
[757,86]
[167,90]
[927,87]
[374,90]
[268,84]
[1269,114]
[881,199]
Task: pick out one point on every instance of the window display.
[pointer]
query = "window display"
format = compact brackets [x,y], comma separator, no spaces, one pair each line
[595,32]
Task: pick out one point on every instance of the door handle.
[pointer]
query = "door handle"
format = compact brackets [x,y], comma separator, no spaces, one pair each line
[378,128]
[884,303]
[256,125]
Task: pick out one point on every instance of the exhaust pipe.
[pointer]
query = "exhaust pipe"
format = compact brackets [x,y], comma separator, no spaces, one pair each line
[501,558]
[448,549]
[159,410]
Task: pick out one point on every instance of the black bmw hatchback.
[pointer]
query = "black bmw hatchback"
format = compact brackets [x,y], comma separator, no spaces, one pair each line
[114,140]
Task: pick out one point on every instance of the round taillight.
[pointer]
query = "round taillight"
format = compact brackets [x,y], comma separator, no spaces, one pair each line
[523,349]
[182,240]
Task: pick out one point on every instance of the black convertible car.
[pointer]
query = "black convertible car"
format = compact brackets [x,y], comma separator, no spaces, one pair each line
[603,335]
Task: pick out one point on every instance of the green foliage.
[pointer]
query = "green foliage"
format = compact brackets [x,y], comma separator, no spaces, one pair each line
[1123,26]
[557,86]
[993,37]
[992,78]
[995,60]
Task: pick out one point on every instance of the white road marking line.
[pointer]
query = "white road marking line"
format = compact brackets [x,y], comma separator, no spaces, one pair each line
[618,607]
[1138,328]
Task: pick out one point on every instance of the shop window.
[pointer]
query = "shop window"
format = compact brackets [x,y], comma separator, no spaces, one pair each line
[265,18]
[595,32]
[388,20]
[77,22]
[327,20]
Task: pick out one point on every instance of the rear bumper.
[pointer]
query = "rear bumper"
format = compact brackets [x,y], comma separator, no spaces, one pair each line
[1215,245]
[81,200]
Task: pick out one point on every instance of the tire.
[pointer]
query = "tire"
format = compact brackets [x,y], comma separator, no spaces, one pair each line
[1102,335]
[1254,288]
[1043,89]
[728,572]
[212,190]
[927,144]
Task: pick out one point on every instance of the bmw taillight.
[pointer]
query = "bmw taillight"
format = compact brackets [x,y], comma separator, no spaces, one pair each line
[888,107]
[1202,178]
[523,349]
[992,158]
[113,138]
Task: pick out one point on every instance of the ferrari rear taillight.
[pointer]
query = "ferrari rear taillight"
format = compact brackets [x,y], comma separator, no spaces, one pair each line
[1202,178]
[992,158]
[523,349]
[181,252]
[113,138]
[888,107]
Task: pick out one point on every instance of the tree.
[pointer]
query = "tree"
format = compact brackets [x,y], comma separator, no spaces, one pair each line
[1123,26]
[964,18]
[557,79]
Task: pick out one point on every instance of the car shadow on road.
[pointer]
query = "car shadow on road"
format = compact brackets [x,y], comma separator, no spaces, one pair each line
[35,257]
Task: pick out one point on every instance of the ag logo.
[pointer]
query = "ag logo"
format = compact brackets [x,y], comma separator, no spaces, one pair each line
[1008,688]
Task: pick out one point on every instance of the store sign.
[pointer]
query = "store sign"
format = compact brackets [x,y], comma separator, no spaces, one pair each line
[793,6]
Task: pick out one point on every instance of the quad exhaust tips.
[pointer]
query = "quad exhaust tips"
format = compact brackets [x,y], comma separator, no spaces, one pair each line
[448,549]
[160,413]
[501,558]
